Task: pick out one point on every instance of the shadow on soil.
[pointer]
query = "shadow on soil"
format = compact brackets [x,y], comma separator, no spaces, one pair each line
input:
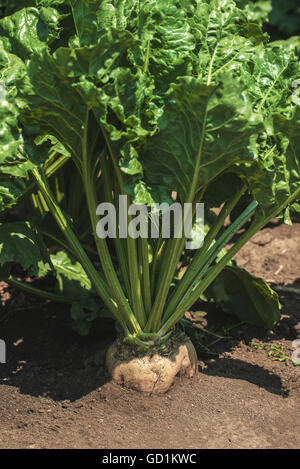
[46,358]
[241,370]
[233,332]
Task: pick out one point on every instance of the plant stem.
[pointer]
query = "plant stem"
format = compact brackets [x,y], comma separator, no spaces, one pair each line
[145,275]
[212,254]
[214,271]
[60,242]
[197,261]
[50,169]
[37,292]
[99,284]
[156,257]
[175,246]
[105,258]
[135,283]
[170,260]
[119,244]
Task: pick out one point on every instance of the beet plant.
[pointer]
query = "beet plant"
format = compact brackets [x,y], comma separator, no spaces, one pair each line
[144,99]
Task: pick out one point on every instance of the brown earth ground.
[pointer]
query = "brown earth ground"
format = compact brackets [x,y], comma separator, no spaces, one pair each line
[54,391]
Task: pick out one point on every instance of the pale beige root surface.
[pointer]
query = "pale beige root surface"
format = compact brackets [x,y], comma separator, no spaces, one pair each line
[152,374]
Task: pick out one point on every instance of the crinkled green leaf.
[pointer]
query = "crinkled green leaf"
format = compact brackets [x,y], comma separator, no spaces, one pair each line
[224,37]
[28,30]
[124,76]
[167,40]
[273,71]
[10,138]
[13,166]
[292,43]
[207,122]
[90,17]
[59,86]
[52,105]
[11,189]
[274,175]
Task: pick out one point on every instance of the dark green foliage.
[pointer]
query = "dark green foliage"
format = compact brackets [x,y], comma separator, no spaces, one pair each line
[104,98]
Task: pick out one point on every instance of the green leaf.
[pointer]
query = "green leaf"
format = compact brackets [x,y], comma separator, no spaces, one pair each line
[90,16]
[39,27]
[225,38]
[238,292]
[20,244]
[285,16]
[228,184]
[70,273]
[292,43]
[81,319]
[273,72]
[10,137]
[282,15]
[73,282]
[11,189]
[211,123]
[83,314]
[258,11]
[167,40]
[274,174]
[56,91]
